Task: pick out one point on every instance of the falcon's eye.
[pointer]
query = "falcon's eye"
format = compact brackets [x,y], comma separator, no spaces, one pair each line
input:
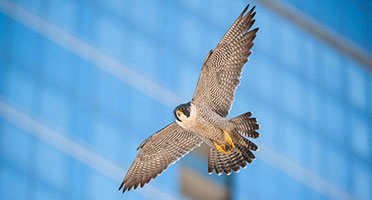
[182,109]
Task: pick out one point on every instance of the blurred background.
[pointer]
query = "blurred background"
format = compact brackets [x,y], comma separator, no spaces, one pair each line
[83,83]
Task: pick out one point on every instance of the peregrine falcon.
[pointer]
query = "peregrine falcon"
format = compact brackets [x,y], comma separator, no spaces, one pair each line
[204,118]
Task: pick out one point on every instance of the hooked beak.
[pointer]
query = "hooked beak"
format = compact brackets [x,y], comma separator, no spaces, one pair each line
[178,114]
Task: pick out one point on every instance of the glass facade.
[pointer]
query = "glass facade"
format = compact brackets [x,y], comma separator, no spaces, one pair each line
[83,83]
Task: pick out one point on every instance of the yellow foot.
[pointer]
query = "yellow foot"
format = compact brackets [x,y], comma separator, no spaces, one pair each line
[228,139]
[223,147]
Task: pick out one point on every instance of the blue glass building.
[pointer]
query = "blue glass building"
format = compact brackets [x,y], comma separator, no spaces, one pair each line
[83,83]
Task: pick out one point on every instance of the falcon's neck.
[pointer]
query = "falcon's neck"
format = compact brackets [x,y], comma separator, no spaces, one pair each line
[189,122]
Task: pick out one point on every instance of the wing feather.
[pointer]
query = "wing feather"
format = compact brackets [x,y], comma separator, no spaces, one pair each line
[157,152]
[222,68]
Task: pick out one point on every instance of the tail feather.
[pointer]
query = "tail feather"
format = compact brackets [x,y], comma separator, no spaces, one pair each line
[226,169]
[233,162]
[226,163]
[250,145]
[248,155]
[246,126]
[211,161]
[237,161]
[219,163]
[242,153]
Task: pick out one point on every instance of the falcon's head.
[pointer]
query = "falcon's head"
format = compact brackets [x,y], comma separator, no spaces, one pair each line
[182,111]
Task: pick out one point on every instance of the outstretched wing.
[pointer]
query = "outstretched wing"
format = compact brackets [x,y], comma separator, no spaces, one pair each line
[222,68]
[157,153]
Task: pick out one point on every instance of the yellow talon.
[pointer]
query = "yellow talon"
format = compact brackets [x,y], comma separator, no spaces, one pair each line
[221,148]
[228,139]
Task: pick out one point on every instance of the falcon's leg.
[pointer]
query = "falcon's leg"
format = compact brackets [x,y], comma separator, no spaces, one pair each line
[225,148]
[228,139]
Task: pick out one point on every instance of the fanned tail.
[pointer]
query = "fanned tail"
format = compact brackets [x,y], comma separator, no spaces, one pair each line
[226,163]
[242,153]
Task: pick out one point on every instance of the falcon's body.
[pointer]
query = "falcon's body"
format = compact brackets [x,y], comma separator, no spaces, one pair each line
[207,124]
[204,118]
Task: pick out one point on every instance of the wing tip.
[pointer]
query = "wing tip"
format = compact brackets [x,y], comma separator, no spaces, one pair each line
[121,186]
[245,10]
[250,12]
[124,186]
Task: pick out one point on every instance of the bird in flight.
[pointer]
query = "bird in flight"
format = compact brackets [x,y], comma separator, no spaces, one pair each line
[204,118]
